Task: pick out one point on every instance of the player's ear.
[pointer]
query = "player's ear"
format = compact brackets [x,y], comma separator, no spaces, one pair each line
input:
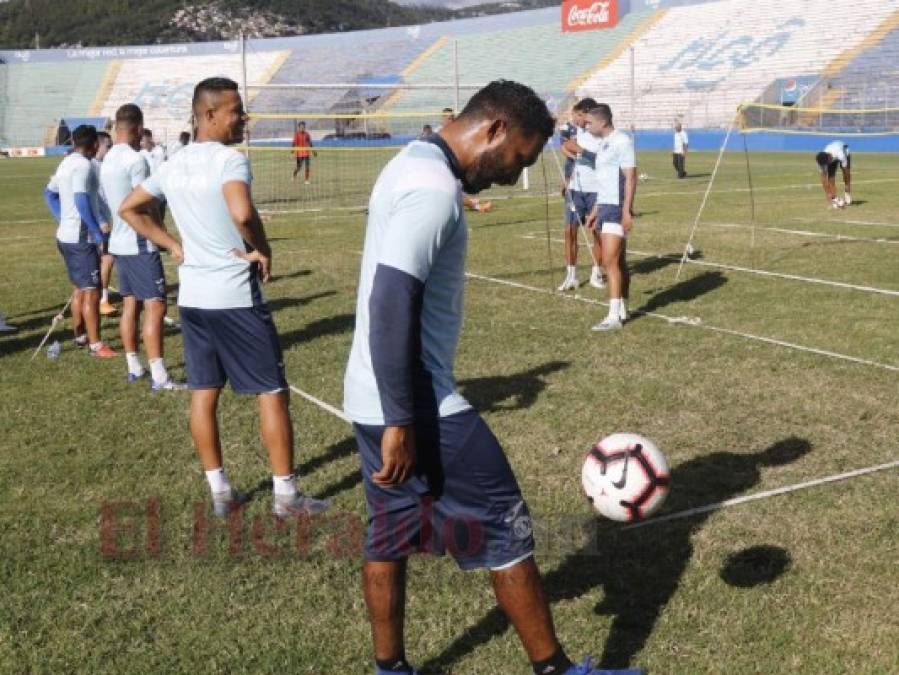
[497,130]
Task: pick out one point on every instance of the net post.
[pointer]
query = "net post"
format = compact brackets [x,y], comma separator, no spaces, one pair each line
[243,75]
[456,75]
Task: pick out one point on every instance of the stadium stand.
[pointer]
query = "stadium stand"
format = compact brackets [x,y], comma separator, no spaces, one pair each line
[699,62]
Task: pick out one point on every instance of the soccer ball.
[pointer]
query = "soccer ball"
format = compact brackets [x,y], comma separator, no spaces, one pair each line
[626,477]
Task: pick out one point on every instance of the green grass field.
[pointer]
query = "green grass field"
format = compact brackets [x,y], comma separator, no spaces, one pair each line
[781,366]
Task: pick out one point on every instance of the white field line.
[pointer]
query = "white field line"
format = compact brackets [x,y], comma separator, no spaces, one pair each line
[770,188]
[691,322]
[875,223]
[717,506]
[806,233]
[21,239]
[747,270]
[765,494]
[25,222]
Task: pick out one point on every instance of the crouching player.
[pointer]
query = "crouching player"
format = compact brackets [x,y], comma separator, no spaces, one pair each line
[836,154]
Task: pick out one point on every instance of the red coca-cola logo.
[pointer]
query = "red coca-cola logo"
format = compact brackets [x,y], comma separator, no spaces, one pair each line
[578,15]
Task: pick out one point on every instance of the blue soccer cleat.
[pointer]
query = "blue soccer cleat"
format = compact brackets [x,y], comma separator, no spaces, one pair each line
[586,668]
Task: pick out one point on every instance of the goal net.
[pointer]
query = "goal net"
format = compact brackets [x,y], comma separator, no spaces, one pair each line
[757,117]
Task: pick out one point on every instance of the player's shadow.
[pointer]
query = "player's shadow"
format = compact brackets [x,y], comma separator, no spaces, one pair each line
[285,303]
[332,325]
[685,291]
[291,275]
[634,573]
[518,391]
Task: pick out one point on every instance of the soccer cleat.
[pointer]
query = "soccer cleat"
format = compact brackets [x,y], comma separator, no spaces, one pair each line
[307,182]
[609,323]
[596,281]
[81,341]
[107,309]
[136,377]
[570,284]
[168,385]
[287,506]
[586,668]
[225,502]
[847,199]
[104,351]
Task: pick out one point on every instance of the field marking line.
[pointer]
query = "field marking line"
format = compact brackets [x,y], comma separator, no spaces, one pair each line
[327,407]
[765,494]
[875,223]
[688,321]
[25,222]
[807,233]
[768,188]
[748,270]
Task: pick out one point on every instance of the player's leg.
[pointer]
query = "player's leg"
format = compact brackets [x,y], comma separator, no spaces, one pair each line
[128,332]
[612,238]
[384,588]
[625,281]
[204,430]
[571,245]
[149,282]
[296,168]
[676,164]
[78,328]
[106,263]
[597,272]
[308,168]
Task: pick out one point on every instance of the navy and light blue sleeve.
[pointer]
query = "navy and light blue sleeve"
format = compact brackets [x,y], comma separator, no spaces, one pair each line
[420,223]
[51,197]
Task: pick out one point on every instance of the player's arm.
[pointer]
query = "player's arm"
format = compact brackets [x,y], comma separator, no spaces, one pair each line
[84,204]
[249,225]
[413,238]
[51,199]
[141,211]
[630,189]
[846,179]
[828,185]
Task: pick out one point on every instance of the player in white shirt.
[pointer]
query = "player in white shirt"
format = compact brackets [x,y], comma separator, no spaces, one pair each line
[73,198]
[141,275]
[681,144]
[155,156]
[106,259]
[580,195]
[182,142]
[836,154]
[616,172]
[225,322]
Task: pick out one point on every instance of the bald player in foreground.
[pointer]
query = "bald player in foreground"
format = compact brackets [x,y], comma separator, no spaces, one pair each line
[226,324]
[436,478]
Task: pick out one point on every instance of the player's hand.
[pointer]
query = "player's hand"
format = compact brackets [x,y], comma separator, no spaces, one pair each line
[398,457]
[105,228]
[627,220]
[177,253]
[590,223]
[264,262]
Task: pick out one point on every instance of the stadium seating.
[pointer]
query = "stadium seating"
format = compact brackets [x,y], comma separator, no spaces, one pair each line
[699,62]
[37,95]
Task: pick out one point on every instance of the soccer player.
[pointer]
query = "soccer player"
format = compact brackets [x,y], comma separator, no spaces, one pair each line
[302,142]
[436,479]
[73,198]
[616,174]
[141,276]
[836,154]
[107,261]
[226,324]
[155,156]
[681,144]
[183,140]
[473,203]
[579,193]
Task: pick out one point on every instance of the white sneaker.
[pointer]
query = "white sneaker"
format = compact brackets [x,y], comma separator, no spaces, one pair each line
[225,502]
[596,281]
[622,315]
[298,505]
[570,284]
[609,323]
[168,385]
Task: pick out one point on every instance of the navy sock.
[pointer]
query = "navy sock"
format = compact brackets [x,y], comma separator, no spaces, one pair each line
[556,664]
[399,665]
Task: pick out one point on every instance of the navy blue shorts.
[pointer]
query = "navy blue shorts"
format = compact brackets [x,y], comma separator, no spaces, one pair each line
[82,264]
[142,276]
[238,345]
[582,203]
[608,220]
[463,498]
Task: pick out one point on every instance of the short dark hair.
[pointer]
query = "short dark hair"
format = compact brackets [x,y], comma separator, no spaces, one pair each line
[516,102]
[301,122]
[146,133]
[184,137]
[602,111]
[84,136]
[585,104]
[212,85]
[103,136]
[129,115]
[823,159]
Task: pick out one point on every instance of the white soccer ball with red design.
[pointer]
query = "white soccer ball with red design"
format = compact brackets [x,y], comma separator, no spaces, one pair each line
[626,477]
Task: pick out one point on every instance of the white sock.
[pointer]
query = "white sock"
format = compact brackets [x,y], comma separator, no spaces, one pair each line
[622,308]
[285,486]
[158,371]
[218,480]
[597,271]
[104,296]
[134,366]
[572,271]
[95,346]
[614,307]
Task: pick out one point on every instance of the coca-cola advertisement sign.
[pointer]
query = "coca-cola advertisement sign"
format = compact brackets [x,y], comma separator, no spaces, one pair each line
[578,15]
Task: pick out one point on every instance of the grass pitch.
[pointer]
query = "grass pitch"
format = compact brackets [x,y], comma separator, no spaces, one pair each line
[111,564]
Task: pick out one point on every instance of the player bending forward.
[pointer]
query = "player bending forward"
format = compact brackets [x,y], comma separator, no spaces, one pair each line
[436,479]
[836,154]
[226,324]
